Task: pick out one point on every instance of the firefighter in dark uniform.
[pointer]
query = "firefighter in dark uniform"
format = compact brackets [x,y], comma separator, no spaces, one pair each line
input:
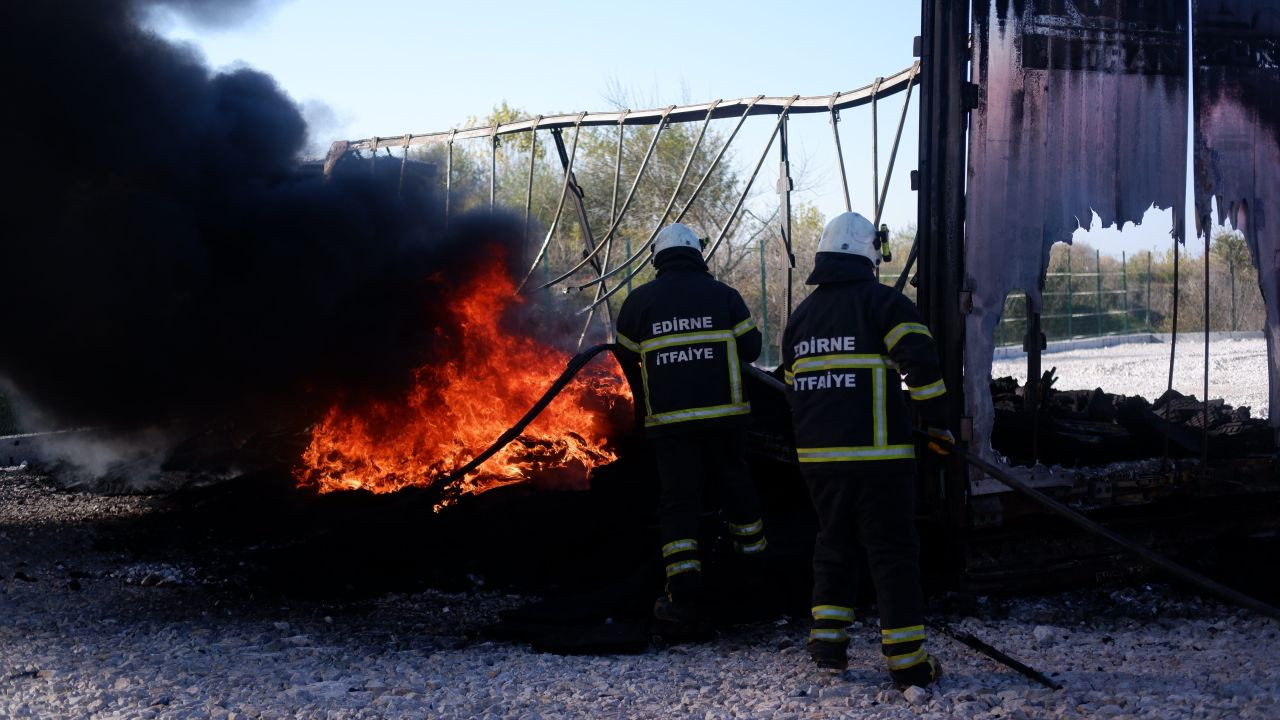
[685,336]
[844,350]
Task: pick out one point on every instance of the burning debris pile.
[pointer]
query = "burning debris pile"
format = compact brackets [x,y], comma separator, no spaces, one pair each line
[1092,427]
[482,378]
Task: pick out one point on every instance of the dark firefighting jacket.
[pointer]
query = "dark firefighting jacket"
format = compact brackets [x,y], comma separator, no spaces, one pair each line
[845,350]
[685,336]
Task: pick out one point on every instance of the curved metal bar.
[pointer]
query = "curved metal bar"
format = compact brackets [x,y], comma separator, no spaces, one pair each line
[875,150]
[893,152]
[762,105]
[684,174]
[724,231]
[622,211]
[835,133]
[617,166]
[555,220]
[728,223]
[404,160]
[533,156]
[715,162]
[493,167]
[448,179]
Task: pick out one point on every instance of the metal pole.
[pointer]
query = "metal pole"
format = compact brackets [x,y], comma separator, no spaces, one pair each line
[944,72]
[1231,266]
[1147,294]
[1071,308]
[404,161]
[1204,451]
[875,150]
[835,132]
[1124,274]
[448,178]
[893,155]
[764,304]
[1097,298]
[1031,344]
[1152,558]
[493,167]
[1173,337]
[617,167]
[784,198]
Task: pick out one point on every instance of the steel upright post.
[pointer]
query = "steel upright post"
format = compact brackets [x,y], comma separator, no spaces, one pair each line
[784,199]
[944,72]
[1071,308]
[764,305]
[1147,294]
[1124,275]
[1231,267]
[1097,297]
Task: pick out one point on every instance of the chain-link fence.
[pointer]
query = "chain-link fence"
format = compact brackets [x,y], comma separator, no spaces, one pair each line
[1088,294]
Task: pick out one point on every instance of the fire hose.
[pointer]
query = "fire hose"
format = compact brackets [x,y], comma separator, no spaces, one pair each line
[572,368]
[1140,551]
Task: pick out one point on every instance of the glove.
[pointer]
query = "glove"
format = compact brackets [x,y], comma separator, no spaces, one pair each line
[945,436]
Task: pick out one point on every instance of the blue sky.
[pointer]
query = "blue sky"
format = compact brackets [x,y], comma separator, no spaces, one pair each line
[387,67]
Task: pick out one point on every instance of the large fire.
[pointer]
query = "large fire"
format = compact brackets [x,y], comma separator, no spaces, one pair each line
[461,403]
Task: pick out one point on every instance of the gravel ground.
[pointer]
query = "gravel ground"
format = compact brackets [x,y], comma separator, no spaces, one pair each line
[89,631]
[1237,370]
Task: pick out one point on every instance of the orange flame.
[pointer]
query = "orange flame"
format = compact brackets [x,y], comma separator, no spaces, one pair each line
[458,406]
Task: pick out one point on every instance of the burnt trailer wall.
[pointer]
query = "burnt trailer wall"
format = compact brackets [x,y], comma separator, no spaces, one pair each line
[1237,140]
[1082,108]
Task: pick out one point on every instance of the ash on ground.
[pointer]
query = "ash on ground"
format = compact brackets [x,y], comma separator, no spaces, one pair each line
[94,628]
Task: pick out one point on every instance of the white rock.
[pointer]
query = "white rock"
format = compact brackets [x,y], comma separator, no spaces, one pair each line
[917,695]
[1045,636]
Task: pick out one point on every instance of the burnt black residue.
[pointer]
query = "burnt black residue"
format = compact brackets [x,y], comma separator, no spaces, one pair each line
[165,253]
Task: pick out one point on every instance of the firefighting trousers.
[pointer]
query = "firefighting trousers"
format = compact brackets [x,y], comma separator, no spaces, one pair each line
[686,463]
[878,514]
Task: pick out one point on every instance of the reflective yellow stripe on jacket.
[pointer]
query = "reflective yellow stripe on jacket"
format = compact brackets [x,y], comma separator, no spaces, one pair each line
[736,406]
[879,449]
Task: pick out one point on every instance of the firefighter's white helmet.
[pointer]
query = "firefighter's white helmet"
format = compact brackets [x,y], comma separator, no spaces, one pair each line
[852,234]
[676,235]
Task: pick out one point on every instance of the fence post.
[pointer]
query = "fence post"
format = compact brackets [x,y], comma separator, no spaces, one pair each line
[1231,265]
[764,305]
[1000,325]
[1146,320]
[1071,310]
[1097,298]
[1124,274]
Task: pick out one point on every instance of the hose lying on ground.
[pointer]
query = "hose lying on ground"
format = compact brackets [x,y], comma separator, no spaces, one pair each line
[1144,553]
[992,652]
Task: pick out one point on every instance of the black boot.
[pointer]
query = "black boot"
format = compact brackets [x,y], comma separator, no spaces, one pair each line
[829,655]
[921,674]
[679,622]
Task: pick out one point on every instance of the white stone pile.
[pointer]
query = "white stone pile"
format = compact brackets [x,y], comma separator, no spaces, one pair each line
[135,639]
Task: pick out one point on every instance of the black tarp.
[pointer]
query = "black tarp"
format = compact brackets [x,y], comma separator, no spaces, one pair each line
[1237,139]
[1082,109]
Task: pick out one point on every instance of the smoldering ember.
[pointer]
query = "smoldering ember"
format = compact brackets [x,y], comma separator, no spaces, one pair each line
[640,412]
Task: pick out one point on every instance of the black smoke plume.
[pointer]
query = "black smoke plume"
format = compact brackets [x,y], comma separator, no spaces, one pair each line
[166,255]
